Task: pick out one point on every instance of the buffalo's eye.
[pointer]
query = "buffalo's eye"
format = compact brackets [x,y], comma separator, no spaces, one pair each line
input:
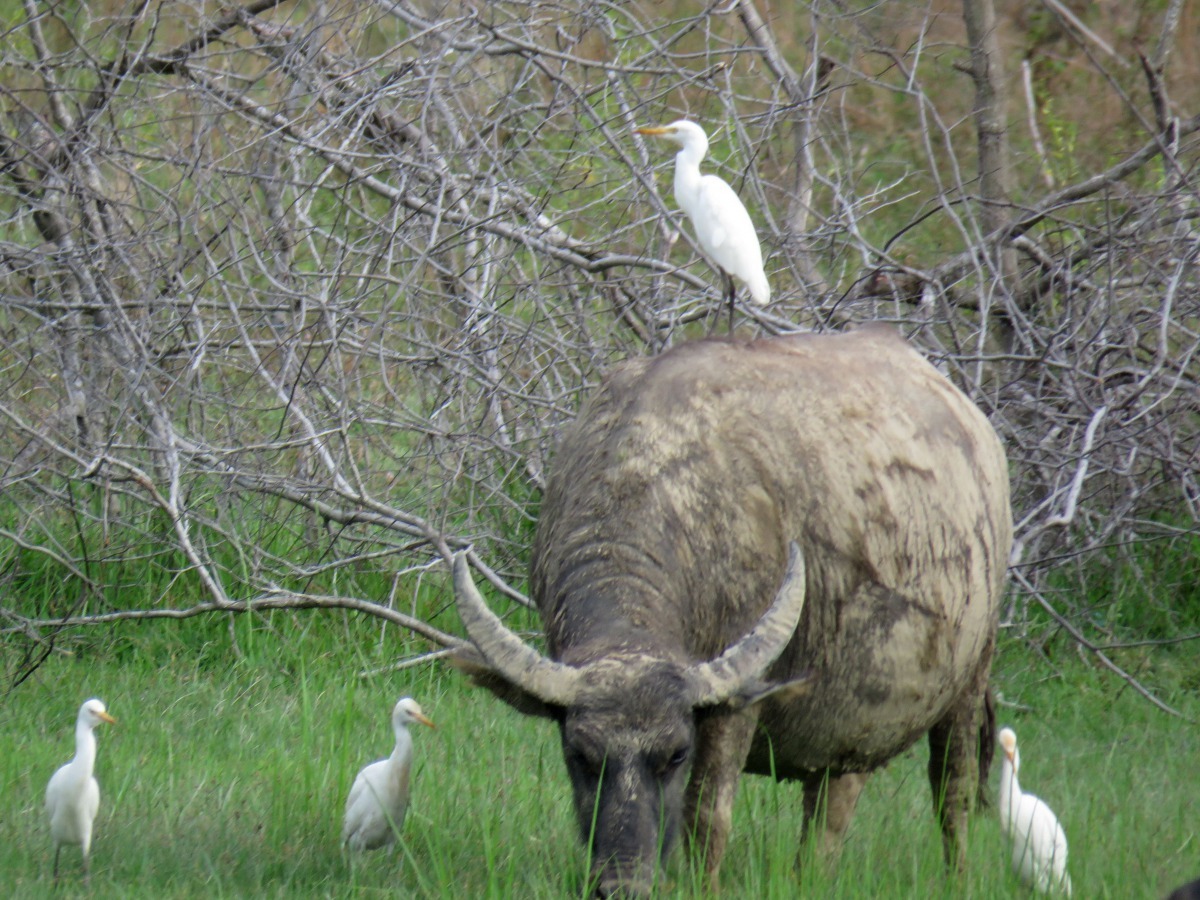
[674,761]
[584,763]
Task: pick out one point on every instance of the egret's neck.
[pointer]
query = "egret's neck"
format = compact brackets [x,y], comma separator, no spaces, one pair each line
[1010,788]
[404,744]
[687,174]
[85,750]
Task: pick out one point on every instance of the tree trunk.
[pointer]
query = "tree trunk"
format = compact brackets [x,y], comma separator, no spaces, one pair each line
[997,259]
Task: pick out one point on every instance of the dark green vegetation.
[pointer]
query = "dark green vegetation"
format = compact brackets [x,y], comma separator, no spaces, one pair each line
[294,302]
[226,778]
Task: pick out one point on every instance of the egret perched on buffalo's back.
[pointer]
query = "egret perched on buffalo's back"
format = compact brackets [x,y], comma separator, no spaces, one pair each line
[723,227]
[73,795]
[379,796]
[1039,844]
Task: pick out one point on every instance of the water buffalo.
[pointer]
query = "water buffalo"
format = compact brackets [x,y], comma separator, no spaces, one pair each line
[681,655]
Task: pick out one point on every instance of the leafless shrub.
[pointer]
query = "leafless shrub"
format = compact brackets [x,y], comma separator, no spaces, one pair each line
[296,295]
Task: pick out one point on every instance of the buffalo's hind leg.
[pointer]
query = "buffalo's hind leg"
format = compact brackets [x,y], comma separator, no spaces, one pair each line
[954,767]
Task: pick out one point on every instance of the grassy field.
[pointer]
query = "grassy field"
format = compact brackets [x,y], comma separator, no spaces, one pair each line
[227,779]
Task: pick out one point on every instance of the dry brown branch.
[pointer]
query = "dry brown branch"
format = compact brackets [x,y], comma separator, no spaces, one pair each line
[296,300]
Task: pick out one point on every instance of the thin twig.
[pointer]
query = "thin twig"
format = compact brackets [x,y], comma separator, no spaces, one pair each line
[272,600]
[1075,633]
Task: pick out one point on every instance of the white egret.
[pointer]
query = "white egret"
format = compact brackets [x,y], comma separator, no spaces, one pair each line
[379,797]
[723,227]
[73,796]
[1039,844]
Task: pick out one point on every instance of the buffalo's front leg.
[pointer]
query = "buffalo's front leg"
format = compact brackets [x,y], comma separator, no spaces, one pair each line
[722,745]
[829,803]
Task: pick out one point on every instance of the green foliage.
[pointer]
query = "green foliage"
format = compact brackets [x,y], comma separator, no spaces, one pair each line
[1147,592]
[1062,136]
[226,778]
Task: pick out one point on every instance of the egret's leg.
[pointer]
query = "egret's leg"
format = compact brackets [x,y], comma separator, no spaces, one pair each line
[85,847]
[57,850]
[731,292]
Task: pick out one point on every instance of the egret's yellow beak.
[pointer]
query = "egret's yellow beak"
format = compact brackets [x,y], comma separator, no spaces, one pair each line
[653,130]
[424,720]
[105,717]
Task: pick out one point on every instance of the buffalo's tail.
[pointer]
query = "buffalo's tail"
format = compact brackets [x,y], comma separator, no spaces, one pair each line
[987,748]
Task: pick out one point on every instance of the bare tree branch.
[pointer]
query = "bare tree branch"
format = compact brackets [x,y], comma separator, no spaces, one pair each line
[1095,650]
[296,300]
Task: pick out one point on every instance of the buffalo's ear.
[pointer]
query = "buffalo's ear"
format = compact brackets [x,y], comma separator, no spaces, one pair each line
[471,663]
[756,691]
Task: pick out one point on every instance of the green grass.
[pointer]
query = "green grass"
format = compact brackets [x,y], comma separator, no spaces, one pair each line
[228,779]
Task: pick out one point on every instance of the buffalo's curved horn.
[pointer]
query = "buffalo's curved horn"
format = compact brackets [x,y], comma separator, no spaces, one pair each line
[549,681]
[716,681]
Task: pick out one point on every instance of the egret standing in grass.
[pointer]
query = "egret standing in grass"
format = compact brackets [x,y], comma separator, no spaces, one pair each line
[379,797]
[73,796]
[1039,844]
[723,227]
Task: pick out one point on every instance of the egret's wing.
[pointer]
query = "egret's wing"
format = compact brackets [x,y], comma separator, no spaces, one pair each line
[370,809]
[361,824]
[90,801]
[1040,845]
[718,212]
[1058,862]
[724,229]
[356,791]
[54,790]
[402,792]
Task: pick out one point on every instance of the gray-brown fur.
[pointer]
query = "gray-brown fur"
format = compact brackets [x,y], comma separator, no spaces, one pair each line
[663,539]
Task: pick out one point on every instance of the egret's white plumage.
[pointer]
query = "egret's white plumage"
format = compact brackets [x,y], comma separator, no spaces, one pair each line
[379,796]
[1039,844]
[73,796]
[723,227]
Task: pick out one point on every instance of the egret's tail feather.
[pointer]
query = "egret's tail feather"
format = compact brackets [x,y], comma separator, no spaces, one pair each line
[760,290]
